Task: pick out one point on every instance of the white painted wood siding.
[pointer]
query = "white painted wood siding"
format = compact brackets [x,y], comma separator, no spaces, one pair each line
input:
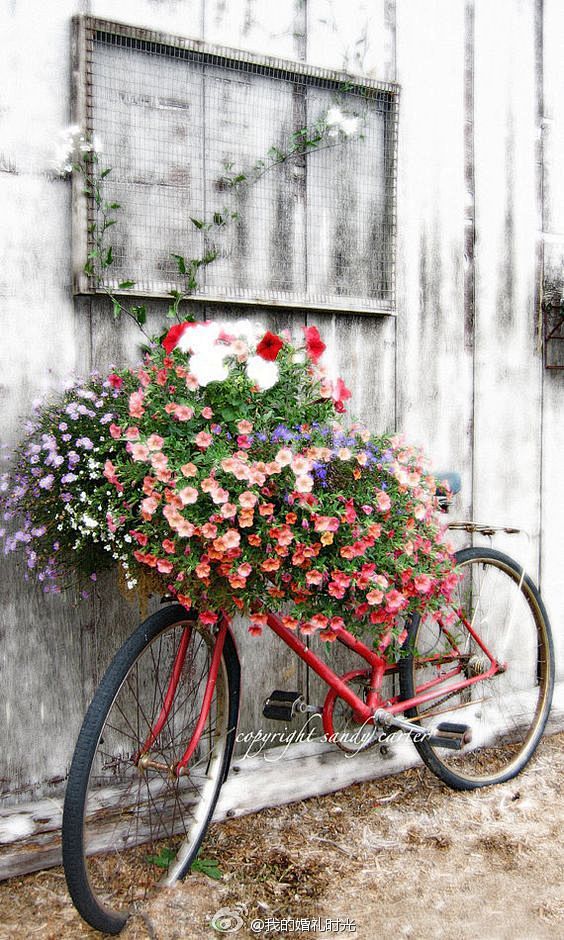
[459,371]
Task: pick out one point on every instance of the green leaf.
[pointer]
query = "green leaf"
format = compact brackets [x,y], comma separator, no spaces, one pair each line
[208,867]
[125,285]
[115,205]
[117,308]
[109,257]
[197,222]
[218,219]
[105,173]
[140,314]
[163,859]
[209,256]
[181,263]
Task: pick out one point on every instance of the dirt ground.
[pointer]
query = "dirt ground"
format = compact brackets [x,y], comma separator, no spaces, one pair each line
[399,857]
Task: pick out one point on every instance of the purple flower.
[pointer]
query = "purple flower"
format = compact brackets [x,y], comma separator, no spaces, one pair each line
[63,426]
[67,438]
[68,478]
[105,419]
[39,531]
[66,497]
[47,482]
[85,443]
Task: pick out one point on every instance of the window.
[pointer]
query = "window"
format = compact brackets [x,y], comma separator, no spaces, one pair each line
[179,121]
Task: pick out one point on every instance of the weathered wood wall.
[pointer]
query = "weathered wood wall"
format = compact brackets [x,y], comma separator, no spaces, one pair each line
[480,206]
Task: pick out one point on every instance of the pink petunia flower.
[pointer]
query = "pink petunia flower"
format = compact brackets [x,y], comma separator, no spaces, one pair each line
[203,439]
[139,451]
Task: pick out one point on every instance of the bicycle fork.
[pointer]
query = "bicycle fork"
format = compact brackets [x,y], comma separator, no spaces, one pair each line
[142,758]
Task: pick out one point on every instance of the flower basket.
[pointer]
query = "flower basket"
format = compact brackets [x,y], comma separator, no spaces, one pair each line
[220,471]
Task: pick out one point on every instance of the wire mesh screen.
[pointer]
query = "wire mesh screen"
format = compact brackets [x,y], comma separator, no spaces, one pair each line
[221,154]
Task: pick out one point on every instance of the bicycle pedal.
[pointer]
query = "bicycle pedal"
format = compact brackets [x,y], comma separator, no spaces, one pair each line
[451,736]
[282,706]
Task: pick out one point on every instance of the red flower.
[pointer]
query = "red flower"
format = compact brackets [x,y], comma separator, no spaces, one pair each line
[340,394]
[208,617]
[173,336]
[314,345]
[115,381]
[269,346]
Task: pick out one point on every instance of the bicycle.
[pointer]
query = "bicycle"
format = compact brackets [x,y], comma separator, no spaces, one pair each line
[157,740]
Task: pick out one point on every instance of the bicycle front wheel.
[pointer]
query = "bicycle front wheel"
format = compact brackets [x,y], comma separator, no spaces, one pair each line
[129,821]
[505,713]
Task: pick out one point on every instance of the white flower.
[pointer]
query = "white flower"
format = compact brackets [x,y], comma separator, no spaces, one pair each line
[337,121]
[89,522]
[209,366]
[263,373]
[199,338]
[250,332]
[334,117]
[349,126]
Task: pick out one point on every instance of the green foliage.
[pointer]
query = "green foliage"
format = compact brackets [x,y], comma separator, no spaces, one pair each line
[209,867]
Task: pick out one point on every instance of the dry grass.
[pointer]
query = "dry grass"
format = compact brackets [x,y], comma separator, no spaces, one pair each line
[402,856]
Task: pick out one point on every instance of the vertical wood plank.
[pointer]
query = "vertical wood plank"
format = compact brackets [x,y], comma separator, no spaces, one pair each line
[44,340]
[552,519]
[434,356]
[507,364]
[275,28]
[361,349]
[357,36]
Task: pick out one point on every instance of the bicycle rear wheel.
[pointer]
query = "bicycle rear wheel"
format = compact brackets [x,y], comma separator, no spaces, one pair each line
[505,713]
[128,823]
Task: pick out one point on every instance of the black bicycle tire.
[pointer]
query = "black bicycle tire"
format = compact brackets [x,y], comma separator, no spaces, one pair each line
[407,685]
[83,897]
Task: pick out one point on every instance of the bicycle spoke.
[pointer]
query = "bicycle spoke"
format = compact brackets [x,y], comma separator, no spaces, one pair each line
[504,711]
[137,812]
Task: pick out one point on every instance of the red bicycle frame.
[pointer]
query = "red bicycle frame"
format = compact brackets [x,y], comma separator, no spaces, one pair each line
[363,709]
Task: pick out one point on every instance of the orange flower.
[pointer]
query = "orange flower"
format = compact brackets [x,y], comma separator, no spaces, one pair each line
[189,470]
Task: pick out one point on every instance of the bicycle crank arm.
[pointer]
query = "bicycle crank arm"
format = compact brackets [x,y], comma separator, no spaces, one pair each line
[383,718]
[451,736]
